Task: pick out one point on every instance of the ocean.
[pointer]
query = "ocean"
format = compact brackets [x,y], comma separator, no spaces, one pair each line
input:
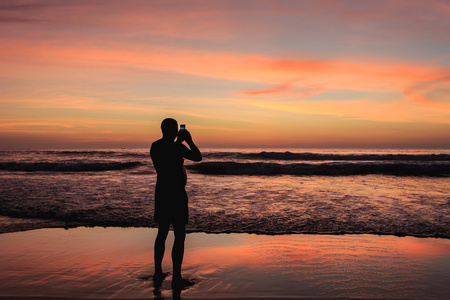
[264,191]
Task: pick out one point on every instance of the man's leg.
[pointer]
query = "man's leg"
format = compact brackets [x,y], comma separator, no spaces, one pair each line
[160,246]
[178,282]
[179,229]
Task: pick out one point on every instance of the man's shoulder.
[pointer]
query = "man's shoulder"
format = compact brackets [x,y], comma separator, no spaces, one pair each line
[162,145]
[157,143]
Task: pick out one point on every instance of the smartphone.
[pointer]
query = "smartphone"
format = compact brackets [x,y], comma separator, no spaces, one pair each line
[182,127]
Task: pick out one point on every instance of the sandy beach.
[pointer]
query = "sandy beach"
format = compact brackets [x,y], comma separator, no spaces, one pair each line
[101,263]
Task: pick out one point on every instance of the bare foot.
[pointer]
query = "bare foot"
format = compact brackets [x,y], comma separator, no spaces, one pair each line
[181,283]
[159,277]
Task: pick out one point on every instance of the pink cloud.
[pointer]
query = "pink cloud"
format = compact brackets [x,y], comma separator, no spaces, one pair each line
[226,20]
[294,74]
[275,90]
[353,75]
[433,94]
[286,89]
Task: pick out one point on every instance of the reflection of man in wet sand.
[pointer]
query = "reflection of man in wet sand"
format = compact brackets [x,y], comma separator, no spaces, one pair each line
[171,201]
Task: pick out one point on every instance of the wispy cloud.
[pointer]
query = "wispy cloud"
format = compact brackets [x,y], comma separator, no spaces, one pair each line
[359,75]
[396,111]
[275,90]
[295,74]
[433,94]
[284,90]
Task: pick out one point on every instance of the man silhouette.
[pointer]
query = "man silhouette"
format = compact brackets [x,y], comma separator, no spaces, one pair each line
[171,201]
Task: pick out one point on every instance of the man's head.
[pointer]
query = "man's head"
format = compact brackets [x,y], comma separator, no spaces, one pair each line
[169,128]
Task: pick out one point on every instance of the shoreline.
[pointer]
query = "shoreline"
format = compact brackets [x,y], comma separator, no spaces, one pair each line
[100,263]
[233,298]
[12,225]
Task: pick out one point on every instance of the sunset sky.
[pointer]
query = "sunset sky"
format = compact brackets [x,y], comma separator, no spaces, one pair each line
[237,73]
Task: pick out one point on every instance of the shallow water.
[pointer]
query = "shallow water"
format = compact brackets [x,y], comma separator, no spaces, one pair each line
[117,263]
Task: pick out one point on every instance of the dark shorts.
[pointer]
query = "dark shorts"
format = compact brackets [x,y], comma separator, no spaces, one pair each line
[171,205]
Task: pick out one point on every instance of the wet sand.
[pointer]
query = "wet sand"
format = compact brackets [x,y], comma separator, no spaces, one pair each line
[100,263]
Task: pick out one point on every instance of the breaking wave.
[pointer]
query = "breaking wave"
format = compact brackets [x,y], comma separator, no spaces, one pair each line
[102,153]
[333,169]
[337,157]
[67,166]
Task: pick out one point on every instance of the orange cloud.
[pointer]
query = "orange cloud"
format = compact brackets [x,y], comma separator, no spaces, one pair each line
[275,90]
[286,88]
[363,109]
[330,74]
[368,76]
[433,94]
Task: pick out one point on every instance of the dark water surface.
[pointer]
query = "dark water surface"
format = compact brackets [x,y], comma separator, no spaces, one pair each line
[246,190]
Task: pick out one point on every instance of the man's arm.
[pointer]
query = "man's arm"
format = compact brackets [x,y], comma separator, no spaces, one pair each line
[193,153]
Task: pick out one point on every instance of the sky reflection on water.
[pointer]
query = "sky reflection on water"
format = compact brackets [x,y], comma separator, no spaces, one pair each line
[117,263]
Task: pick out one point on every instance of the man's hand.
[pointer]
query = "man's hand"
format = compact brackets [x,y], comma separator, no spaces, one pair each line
[184,135]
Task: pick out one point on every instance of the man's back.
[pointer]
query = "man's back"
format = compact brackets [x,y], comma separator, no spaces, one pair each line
[169,163]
